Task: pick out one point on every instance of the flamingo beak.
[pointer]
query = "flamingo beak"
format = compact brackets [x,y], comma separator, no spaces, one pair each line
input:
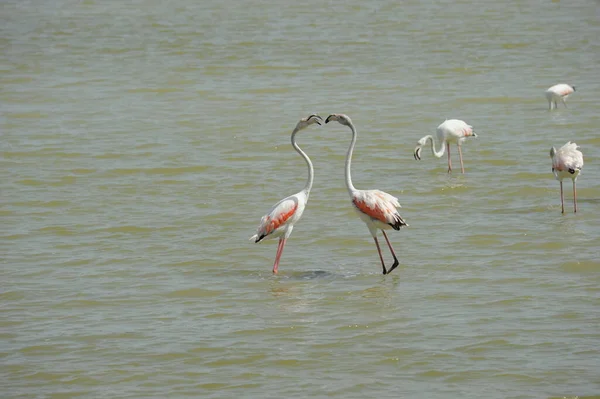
[318,119]
[330,117]
[417,153]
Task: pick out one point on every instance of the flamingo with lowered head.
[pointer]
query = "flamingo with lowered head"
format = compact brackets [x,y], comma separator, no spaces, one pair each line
[280,220]
[567,162]
[451,131]
[559,92]
[376,208]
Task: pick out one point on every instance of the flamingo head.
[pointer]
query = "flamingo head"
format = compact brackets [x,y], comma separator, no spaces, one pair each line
[419,148]
[309,120]
[341,118]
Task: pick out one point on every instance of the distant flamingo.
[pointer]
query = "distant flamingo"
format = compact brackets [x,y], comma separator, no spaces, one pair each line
[280,220]
[451,131]
[559,92]
[567,161]
[376,208]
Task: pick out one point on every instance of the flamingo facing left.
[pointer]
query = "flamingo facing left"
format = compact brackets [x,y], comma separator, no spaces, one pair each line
[451,131]
[567,162]
[376,208]
[280,220]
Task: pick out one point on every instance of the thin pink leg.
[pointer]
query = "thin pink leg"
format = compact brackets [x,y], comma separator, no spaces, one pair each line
[278,254]
[396,263]
[562,200]
[380,255]
[462,168]
[574,196]
[449,161]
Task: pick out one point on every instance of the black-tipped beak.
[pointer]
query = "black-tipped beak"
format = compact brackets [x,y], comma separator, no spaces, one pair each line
[417,153]
[328,118]
[318,119]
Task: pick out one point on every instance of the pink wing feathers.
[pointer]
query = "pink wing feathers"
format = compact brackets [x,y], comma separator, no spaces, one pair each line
[561,89]
[467,130]
[279,215]
[379,205]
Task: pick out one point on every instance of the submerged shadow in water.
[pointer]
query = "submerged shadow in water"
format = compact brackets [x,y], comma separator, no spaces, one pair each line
[310,275]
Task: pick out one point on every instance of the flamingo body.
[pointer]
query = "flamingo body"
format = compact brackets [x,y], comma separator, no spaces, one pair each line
[280,220]
[378,209]
[451,131]
[559,92]
[282,217]
[567,162]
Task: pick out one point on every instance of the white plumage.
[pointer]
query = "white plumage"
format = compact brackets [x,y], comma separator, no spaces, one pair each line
[559,92]
[280,220]
[451,131]
[567,162]
[378,209]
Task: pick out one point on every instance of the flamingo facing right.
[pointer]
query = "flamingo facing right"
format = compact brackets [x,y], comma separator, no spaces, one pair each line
[567,161]
[451,131]
[280,220]
[559,92]
[376,208]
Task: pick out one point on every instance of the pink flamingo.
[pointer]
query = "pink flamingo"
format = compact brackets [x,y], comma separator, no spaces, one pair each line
[559,92]
[376,208]
[451,131]
[567,161]
[280,220]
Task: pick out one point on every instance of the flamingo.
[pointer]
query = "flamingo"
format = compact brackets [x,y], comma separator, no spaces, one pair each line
[451,131]
[376,208]
[559,92]
[280,220]
[567,161]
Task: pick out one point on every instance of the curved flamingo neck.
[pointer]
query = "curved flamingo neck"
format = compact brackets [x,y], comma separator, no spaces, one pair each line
[349,184]
[433,145]
[311,171]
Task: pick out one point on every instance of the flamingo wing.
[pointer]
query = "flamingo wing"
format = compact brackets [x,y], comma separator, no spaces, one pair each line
[467,130]
[568,157]
[279,216]
[379,205]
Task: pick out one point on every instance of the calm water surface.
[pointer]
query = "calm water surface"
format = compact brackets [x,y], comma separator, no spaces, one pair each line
[142,142]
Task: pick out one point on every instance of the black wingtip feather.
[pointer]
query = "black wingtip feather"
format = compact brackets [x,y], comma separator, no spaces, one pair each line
[398,222]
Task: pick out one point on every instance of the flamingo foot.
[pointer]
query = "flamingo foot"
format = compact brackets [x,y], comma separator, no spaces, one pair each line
[396,263]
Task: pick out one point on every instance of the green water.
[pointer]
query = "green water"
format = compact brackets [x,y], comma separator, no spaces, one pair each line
[142,142]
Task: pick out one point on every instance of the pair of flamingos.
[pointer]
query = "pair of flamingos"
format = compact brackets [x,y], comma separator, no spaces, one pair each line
[378,209]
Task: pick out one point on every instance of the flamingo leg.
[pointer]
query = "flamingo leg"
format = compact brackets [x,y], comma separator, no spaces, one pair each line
[462,168]
[278,254]
[562,201]
[396,263]
[564,102]
[574,196]
[380,255]
[449,161]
